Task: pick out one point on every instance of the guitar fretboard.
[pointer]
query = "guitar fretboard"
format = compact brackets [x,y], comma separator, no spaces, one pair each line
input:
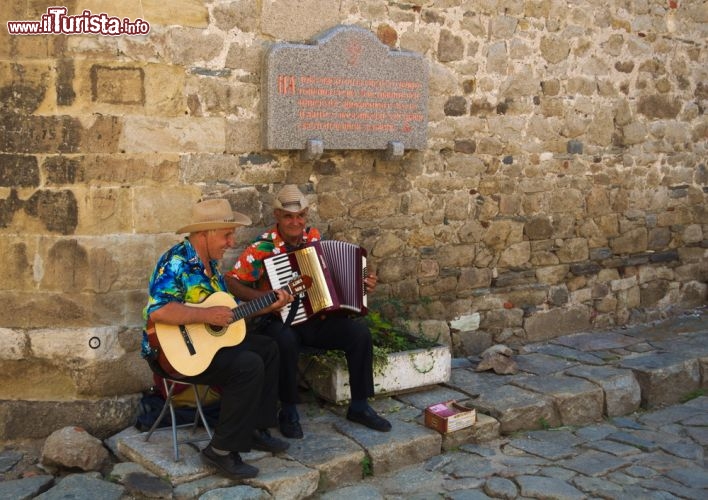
[253,306]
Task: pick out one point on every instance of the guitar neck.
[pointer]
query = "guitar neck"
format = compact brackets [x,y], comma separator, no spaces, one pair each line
[253,306]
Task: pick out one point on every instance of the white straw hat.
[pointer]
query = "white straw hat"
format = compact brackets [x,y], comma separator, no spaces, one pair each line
[214,214]
[290,199]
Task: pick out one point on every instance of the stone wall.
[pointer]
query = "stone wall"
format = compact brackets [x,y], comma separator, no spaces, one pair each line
[563,187]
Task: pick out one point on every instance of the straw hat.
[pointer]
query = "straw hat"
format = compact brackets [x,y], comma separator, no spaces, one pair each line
[214,214]
[290,199]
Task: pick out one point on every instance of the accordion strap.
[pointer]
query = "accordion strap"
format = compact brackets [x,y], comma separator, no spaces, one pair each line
[292,312]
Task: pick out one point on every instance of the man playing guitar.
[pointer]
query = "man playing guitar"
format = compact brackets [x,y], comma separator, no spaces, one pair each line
[247,372]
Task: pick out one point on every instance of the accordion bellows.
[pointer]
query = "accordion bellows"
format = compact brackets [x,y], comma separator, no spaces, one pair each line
[337,269]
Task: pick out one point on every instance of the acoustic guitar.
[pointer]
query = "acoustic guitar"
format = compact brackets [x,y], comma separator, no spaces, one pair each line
[190,348]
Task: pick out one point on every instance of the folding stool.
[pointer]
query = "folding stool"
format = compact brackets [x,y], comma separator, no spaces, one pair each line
[170,385]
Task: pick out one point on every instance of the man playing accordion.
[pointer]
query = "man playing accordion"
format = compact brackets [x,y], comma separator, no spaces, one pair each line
[247,281]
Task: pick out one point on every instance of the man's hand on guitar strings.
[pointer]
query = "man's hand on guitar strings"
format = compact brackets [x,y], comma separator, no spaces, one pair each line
[219,316]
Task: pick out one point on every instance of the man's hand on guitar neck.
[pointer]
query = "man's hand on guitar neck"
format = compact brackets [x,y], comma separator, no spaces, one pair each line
[244,292]
[284,298]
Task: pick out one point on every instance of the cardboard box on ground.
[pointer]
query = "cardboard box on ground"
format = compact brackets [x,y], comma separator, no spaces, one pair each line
[449,416]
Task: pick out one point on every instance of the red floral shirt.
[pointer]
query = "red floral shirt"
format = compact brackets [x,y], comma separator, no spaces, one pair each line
[249,266]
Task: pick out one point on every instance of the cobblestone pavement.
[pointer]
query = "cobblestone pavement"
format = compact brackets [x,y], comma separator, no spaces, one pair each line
[658,454]
[605,414]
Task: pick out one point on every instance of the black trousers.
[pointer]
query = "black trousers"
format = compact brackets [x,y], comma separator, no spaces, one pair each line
[345,333]
[248,377]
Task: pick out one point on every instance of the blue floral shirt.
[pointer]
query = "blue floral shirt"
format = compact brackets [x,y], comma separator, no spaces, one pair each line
[180,276]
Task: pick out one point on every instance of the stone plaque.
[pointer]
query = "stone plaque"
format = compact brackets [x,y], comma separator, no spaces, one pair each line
[345,90]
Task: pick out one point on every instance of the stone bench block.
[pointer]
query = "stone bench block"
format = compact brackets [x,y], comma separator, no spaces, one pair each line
[622,391]
[485,429]
[406,444]
[403,371]
[337,458]
[517,409]
[665,378]
[284,478]
[157,456]
[577,401]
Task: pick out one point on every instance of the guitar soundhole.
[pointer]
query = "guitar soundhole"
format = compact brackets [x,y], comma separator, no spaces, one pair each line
[216,331]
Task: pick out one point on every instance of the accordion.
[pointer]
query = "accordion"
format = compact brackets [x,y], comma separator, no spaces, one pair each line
[337,269]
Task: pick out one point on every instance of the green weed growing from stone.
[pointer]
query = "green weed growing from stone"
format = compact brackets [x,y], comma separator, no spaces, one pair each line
[366,467]
[544,424]
[693,395]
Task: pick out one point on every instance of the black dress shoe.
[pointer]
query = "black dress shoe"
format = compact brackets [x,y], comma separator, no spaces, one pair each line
[230,465]
[263,441]
[289,428]
[370,419]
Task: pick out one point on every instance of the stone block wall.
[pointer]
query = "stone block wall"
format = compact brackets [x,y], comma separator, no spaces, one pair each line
[563,187]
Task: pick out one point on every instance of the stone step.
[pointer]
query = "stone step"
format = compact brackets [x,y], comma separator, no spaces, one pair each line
[665,378]
[336,452]
[578,380]
[333,453]
[36,419]
[583,378]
